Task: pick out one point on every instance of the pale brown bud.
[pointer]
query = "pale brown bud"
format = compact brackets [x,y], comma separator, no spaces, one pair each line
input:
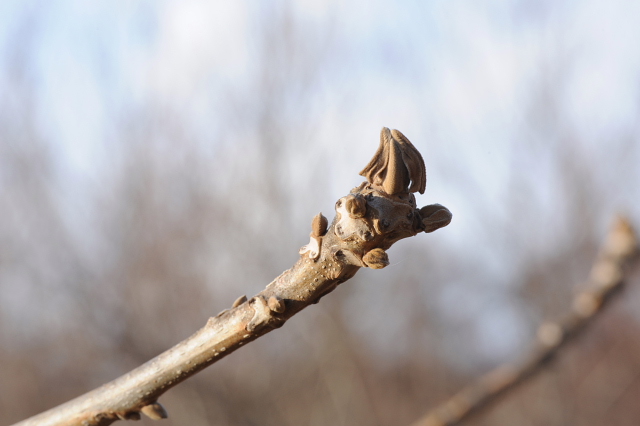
[276,304]
[319,225]
[155,411]
[239,301]
[356,206]
[376,259]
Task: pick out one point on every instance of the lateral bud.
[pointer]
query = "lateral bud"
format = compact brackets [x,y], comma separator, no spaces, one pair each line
[155,411]
[435,216]
[239,301]
[319,225]
[318,229]
[376,258]
[276,304]
[355,205]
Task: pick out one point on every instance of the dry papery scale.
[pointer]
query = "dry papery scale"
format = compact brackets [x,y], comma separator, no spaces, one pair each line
[368,221]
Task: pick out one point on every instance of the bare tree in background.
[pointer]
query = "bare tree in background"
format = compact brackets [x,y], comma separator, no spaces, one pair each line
[130,264]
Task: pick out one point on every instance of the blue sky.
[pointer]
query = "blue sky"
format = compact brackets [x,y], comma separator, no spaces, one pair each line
[487,91]
[471,62]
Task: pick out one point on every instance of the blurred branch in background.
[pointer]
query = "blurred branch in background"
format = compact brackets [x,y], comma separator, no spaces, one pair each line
[142,144]
[607,277]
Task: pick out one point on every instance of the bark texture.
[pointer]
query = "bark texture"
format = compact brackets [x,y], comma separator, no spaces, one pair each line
[369,220]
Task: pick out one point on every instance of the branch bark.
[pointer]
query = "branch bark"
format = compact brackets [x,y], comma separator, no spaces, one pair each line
[368,221]
[605,279]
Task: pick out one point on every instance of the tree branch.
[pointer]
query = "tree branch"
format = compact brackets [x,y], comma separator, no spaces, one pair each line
[619,248]
[368,221]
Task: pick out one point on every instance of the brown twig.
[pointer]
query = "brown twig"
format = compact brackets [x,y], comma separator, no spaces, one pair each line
[368,221]
[606,277]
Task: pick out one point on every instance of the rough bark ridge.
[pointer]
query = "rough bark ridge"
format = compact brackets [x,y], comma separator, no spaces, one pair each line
[368,221]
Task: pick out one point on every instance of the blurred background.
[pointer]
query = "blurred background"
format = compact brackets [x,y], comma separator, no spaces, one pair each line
[159,159]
